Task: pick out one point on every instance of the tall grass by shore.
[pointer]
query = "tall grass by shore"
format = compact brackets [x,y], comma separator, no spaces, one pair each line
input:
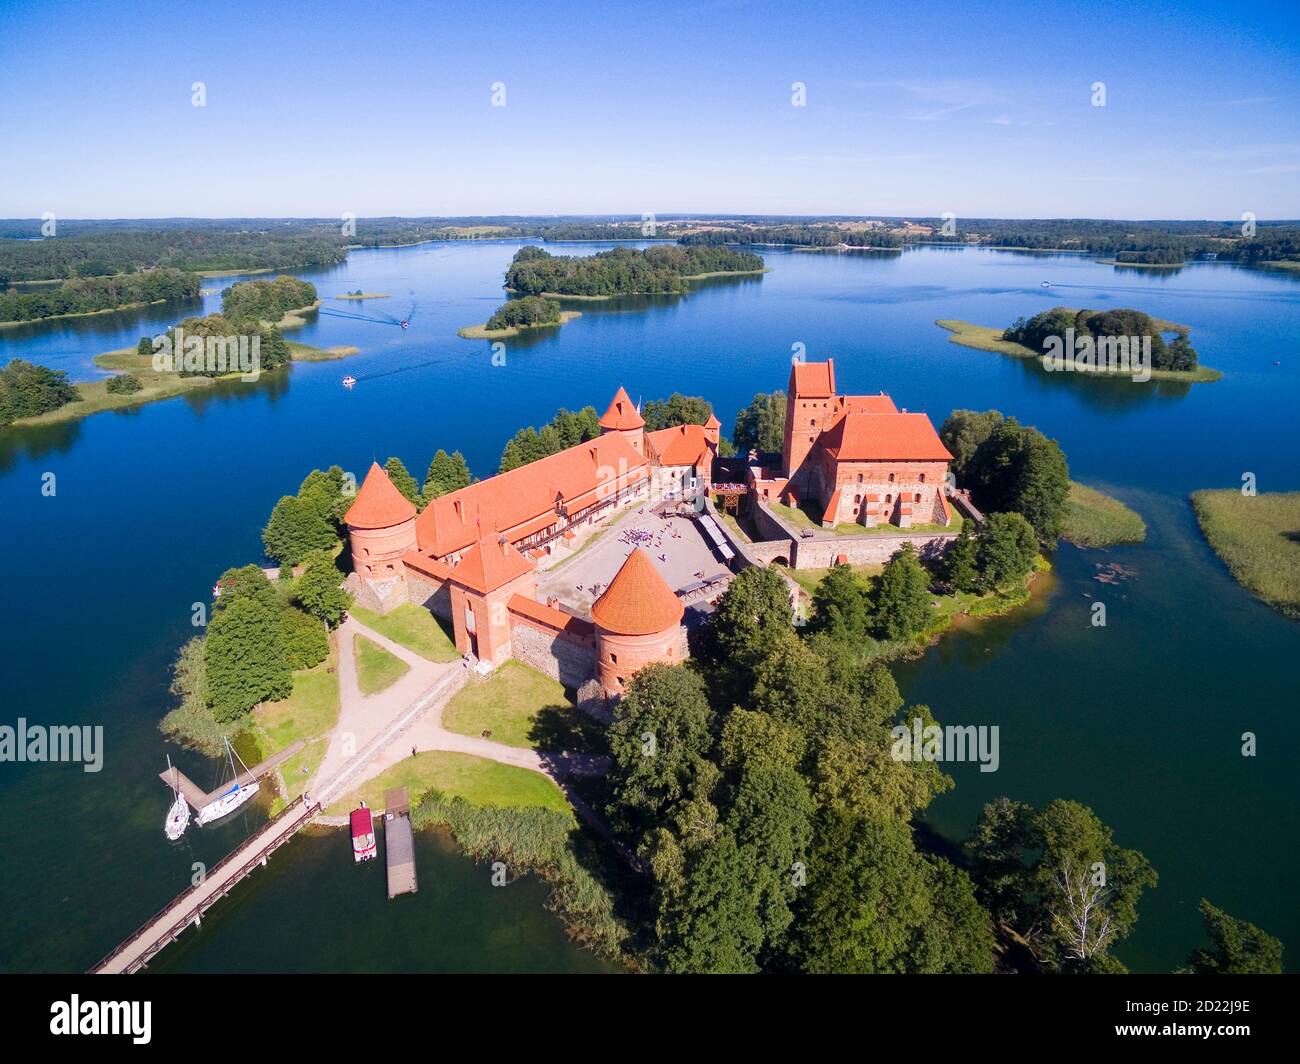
[1093,519]
[1258,538]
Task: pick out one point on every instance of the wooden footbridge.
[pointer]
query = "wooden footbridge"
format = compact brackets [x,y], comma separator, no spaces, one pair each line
[187,908]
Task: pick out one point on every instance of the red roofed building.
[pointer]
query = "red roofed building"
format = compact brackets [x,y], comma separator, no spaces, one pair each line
[855,459]
[381,527]
[638,621]
[489,574]
[682,457]
[625,419]
[471,556]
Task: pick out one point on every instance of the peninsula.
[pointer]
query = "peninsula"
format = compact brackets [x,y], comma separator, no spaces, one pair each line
[252,311]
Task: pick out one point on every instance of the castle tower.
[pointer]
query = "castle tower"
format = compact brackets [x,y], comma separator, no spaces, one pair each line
[623,417]
[713,430]
[381,527]
[638,621]
[489,573]
[809,404]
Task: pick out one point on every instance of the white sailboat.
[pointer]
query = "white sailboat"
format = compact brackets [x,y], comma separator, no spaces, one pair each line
[178,816]
[232,797]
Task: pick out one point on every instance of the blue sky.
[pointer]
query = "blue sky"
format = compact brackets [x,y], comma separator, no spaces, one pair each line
[912,109]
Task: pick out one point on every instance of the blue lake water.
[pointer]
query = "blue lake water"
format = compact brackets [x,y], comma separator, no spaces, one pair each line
[1141,720]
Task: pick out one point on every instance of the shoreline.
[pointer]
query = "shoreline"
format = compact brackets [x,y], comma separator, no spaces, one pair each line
[988,338]
[482,332]
[96,399]
[618,295]
[85,313]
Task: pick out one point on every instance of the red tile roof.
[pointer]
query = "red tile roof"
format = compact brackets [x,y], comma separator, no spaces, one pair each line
[713,422]
[622,413]
[523,497]
[680,445]
[491,563]
[885,437]
[551,617]
[378,504]
[637,601]
[813,380]
[865,404]
[832,507]
[426,566]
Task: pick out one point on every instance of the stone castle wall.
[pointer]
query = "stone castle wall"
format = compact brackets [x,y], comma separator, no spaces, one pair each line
[571,662]
[433,596]
[867,549]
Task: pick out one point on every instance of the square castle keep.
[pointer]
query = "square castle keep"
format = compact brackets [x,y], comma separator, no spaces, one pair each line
[472,557]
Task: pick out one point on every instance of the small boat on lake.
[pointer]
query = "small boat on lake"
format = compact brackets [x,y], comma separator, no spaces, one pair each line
[363,834]
[349,381]
[178,816]
[232,797]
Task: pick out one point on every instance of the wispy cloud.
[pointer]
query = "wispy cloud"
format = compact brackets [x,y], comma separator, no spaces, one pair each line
[1241,101]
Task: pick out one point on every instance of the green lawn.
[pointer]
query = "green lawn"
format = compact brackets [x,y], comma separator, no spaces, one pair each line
[413,627]
[1258,538]
[311,709]
[475,779]
[377,669]
[808,579]
[520,707]
[1093,519]
[801,518]
[298,770]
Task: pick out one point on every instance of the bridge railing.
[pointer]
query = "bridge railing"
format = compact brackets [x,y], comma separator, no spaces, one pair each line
[216,872]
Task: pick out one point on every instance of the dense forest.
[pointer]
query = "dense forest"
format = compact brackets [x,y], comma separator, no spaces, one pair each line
[93,248]
[266,300]
[86,250]
[1137,243]
[817,236]
[622,271]
[87,295]
[1178,354]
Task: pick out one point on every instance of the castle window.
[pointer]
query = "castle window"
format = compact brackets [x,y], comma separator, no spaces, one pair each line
[889,498]
[891,478]
[859,478]
[613,659]
[921,478]
[918,497]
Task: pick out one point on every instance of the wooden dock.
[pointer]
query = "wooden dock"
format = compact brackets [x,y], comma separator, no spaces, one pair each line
[399,843]
[197,797]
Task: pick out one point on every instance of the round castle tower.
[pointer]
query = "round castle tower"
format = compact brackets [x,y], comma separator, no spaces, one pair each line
[381,527]
[638,621]
[624,418]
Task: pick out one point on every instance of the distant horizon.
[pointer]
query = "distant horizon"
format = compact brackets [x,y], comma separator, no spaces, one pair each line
[659,215]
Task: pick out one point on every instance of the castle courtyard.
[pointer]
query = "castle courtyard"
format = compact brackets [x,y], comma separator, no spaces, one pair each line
[675,544]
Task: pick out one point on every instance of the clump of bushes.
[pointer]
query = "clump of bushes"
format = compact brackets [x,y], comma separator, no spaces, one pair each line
[123,384]
[531,310]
